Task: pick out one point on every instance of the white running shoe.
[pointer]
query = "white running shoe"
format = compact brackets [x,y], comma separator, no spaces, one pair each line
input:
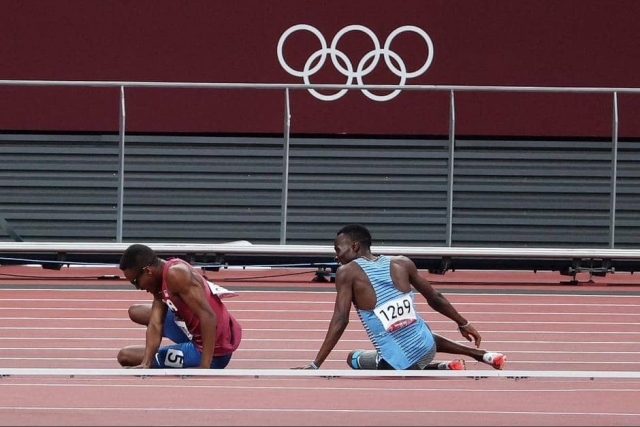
[496,360]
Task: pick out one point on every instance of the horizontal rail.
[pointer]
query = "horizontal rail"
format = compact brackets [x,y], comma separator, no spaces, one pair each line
[246,248]
[282,86]
[333,373]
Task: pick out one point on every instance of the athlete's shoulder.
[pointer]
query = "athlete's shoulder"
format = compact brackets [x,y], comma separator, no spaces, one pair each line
[401,259]
[348,269]
[177,274]
[176,267]
[348,266]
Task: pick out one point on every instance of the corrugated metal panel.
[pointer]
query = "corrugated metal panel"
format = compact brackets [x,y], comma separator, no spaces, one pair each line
[532,193]
[202,189]
[396,186]
[628,195]
[59,187]
[216,189]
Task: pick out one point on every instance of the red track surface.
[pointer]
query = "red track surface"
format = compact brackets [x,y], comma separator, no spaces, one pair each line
[539,323]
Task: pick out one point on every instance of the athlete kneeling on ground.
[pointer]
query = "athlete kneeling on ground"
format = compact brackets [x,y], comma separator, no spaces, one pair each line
[186,308]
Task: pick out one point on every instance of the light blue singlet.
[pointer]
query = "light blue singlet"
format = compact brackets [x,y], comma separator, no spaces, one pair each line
[395,328]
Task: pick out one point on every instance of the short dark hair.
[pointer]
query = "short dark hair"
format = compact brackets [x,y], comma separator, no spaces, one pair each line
[357,233]
[139,256]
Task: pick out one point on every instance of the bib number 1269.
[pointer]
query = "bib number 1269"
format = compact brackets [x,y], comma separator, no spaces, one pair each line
[397,313]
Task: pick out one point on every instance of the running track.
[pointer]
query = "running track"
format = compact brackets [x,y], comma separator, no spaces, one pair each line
[68,319]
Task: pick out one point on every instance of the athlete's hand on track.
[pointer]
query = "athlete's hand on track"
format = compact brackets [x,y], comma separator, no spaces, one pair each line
[307,366]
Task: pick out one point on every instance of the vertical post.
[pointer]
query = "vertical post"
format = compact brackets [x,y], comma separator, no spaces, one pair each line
[285,169]
[452,139]
[121,169]
[614,174]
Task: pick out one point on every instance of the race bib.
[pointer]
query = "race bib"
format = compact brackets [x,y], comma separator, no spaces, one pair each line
[397,313]
[220,291]
[174,358]
[183,326]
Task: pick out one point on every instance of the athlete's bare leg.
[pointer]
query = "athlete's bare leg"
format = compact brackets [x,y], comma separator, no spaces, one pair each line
[445,345]
[131,355]
[140,313]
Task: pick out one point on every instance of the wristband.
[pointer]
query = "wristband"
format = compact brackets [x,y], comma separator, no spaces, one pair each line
[313,365]
[464,326]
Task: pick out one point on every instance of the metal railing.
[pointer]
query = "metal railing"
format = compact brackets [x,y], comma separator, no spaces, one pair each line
[286,88]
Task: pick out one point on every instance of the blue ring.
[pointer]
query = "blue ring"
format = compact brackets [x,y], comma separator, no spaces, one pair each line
[354,359]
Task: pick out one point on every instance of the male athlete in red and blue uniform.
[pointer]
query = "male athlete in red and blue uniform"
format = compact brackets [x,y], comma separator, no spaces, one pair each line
[186,308]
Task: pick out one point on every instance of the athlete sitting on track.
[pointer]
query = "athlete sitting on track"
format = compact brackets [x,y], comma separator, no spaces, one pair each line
[186,309]
[380,289]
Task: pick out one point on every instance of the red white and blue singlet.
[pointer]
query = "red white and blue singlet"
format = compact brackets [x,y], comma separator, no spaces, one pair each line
[182,326]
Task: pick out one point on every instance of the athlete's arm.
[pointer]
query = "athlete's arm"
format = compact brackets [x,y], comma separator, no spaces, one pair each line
[187,285]
[438,302]
[340,318]
[154,332]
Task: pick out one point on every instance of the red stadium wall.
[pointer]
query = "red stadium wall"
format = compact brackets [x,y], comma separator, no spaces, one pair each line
[590,43]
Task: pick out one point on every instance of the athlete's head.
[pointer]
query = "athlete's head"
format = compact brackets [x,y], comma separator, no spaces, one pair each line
[137,260]
[352,241]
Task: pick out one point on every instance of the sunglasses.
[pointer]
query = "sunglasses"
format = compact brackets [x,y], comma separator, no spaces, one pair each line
[135,280]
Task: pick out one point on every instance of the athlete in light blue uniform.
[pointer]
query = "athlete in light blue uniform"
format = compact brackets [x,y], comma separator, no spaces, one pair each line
[381,290]
[400,335]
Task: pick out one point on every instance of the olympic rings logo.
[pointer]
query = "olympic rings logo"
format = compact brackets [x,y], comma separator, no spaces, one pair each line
[393,61]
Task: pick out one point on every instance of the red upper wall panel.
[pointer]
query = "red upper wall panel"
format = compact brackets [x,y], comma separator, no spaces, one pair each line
[590,43]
